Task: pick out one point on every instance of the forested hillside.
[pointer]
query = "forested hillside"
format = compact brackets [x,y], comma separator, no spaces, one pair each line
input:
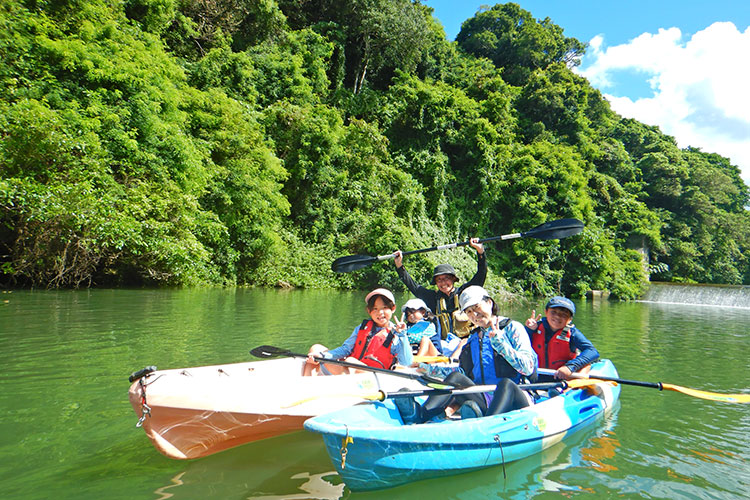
[185,142]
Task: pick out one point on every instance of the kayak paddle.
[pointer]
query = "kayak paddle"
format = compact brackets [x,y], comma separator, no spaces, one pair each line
[711,396]
[542,386]
[382,395]
[268,351]
[553,230]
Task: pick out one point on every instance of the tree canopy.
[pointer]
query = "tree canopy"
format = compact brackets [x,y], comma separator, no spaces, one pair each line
[186,142]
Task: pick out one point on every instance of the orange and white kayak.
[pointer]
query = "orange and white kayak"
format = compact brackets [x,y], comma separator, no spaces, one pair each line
[194,412]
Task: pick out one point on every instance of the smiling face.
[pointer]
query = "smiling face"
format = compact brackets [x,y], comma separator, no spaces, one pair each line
[558,317]
[445,283]
[414,315]
[480,314]
[381,312]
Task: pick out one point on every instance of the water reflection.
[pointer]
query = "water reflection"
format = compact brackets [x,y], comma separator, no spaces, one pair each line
[316,487]
[68,429]
[297,467]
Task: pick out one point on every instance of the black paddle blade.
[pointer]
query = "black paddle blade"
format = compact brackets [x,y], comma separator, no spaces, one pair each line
[352,263]
[555,230]
[268,351]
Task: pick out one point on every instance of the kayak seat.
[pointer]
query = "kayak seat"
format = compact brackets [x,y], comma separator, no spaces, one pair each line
[409,409]
[470,409]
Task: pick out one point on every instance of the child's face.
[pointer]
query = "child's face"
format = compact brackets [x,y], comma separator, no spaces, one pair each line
[480,314]
[380,312]
[414,315]
[558,317]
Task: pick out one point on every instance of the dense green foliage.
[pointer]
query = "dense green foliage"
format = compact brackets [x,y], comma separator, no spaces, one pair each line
[185,142]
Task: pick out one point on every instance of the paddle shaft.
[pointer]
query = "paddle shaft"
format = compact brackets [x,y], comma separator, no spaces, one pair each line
[652,385]
[696,393]
[468,390]
[271,352]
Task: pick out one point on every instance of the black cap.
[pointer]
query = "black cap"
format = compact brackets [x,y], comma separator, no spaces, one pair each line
[443,269]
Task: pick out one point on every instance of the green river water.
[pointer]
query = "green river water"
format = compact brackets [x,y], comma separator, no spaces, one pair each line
[67,429]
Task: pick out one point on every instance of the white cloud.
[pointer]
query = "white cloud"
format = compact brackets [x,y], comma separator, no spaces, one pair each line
[701,86]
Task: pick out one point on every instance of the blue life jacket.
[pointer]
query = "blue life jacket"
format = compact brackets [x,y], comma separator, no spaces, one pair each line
[480,361]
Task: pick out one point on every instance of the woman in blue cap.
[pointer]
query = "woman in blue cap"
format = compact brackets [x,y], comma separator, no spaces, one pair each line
[558,344]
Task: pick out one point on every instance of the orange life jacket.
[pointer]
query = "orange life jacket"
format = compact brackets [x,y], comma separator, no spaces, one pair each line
[556,352]
[372,349]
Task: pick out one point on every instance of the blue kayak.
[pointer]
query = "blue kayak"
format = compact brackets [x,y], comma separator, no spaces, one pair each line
[372,448]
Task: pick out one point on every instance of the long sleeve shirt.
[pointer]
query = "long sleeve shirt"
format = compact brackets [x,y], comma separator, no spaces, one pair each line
[587,353]
[431,297]
[514,345]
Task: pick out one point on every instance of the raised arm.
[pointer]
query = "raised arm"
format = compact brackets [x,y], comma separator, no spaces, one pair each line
[429,296]
[513,343]
[481,274]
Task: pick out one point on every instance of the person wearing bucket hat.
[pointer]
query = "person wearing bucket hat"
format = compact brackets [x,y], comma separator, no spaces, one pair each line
[375,342]
[558,344]
[444,301]
[420,329]
[498,352]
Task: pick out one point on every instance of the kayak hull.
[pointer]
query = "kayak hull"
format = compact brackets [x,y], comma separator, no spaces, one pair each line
[195,412]
[371,448]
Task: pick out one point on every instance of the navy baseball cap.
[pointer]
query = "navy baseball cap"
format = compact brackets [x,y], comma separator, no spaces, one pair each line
[562,302]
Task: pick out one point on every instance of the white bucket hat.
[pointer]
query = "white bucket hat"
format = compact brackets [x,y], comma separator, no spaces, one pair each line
[415,304]
[473,295]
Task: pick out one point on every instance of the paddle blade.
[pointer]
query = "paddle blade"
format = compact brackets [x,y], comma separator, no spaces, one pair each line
[431,359]
[269,351]
[351,263]
[577,383]
[711,396]
[555,230]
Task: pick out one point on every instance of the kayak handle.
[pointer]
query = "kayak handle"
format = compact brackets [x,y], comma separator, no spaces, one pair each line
[141,373]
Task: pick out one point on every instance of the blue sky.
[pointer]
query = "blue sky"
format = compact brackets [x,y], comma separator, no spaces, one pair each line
[681,65]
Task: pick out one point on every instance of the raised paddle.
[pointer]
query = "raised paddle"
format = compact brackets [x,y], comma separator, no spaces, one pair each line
[268,351]
[553,230]
[711,396]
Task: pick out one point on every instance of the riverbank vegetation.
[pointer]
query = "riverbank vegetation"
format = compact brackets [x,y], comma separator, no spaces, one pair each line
[188,142]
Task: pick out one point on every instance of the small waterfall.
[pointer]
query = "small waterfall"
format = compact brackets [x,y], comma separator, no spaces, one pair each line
[713,295]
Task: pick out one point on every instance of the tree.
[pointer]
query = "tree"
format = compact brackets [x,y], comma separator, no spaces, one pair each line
[514,41]
[379,36]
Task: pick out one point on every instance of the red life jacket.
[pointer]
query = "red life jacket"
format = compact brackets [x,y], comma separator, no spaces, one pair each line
[373,350]
[557,351]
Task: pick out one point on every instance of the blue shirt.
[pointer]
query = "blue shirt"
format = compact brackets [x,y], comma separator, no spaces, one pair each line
[421,328]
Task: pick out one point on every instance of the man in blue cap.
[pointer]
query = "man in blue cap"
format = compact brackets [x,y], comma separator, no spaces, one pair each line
[558,344]
[444,301]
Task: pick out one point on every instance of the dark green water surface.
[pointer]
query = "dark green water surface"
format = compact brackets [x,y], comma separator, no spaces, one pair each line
[67,429]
